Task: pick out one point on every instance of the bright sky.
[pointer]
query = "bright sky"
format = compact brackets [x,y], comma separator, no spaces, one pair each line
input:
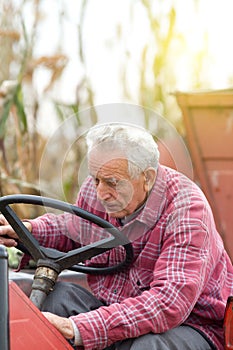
[105,54]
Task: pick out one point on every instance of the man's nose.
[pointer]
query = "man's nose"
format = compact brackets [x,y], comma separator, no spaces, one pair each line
[103,191]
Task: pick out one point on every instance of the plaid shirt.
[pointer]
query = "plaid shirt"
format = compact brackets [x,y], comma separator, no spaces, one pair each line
[181,273]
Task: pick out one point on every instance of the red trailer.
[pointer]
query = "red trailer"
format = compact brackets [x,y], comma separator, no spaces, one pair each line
[208,120]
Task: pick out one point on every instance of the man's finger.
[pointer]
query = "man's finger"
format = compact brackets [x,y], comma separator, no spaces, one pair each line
[8,242]
[7,230]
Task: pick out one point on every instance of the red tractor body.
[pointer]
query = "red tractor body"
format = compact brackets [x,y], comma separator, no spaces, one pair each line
[29,329]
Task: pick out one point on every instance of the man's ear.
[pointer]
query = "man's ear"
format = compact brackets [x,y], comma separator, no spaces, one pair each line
[150,177]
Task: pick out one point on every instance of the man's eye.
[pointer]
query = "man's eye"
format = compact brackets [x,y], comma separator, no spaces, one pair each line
[112,183]
[95,181]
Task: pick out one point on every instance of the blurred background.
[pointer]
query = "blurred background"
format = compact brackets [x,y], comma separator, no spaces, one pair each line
[60,57]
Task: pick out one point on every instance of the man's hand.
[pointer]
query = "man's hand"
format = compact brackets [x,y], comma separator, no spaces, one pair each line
[63,325]
[8,236]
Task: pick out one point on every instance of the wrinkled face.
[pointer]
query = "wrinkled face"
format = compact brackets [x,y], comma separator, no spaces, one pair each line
[116,190]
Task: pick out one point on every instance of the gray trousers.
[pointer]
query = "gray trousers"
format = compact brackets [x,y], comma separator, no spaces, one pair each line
[69,299]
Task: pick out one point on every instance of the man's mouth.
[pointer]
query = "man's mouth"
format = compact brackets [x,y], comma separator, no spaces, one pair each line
[112,207]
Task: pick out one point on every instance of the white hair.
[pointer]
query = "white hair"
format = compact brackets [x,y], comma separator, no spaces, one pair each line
[134,142]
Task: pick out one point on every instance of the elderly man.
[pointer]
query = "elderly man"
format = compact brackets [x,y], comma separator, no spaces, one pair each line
[174,294]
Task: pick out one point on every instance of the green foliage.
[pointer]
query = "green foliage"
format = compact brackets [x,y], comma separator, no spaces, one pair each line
[4,116]
[14,257]
[15,98]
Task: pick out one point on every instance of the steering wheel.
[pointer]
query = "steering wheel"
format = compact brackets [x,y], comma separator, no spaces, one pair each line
[51,262]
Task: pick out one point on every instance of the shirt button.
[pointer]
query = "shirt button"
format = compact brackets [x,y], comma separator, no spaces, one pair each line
[115,291]
[138,283]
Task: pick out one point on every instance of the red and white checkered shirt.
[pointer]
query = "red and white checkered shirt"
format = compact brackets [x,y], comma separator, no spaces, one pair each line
[181,273]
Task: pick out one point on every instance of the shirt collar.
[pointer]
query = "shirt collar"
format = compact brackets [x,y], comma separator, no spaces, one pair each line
[132,216]
[156,200]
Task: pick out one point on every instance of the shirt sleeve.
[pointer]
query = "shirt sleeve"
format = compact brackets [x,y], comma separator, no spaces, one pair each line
[77,337]
[55,231]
